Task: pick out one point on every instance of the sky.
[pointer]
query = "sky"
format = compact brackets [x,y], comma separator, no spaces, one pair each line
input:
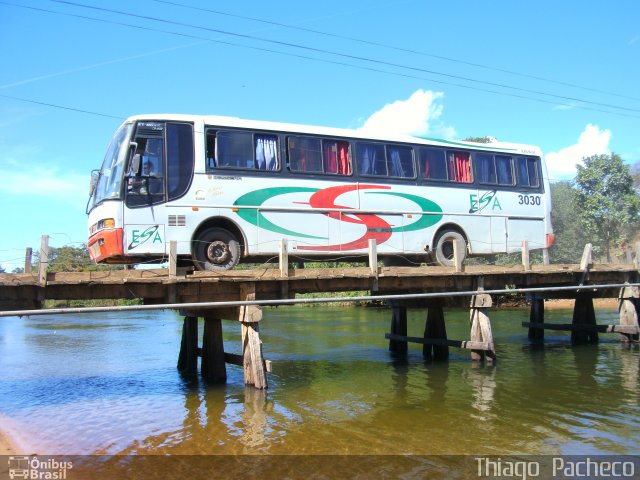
[561,75]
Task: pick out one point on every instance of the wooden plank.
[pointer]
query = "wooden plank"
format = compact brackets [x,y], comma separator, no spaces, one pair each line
[466,344]
[254,372]
[572,327]
[238,360]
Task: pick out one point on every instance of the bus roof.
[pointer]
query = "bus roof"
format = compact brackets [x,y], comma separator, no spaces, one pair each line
[235,122]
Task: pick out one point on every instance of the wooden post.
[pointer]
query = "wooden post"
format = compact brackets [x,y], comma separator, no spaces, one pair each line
[44,260]
[284,258]
[584,314]
[435,328]
[526,264]
[250,316]
[536,315]
[188,357]
[213,364]
[27,260]
[398,327]
[373,257]
[458,248]
[173,258]
[481,327]
[628,309]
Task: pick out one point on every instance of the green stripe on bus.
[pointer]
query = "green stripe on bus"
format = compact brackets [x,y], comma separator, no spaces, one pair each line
[256,198]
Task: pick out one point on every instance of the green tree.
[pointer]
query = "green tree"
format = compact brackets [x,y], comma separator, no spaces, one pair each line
[607,203]
[570,237]
[635,173]
[73,259]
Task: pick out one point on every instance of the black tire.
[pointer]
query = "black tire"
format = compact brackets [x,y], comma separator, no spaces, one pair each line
[215,249]
[444,247]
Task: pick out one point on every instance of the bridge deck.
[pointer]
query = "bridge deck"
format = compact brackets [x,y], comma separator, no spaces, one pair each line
[23,291]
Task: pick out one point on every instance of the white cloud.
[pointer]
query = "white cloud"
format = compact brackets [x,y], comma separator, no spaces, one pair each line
[48,183]
[418,115]
[592,141]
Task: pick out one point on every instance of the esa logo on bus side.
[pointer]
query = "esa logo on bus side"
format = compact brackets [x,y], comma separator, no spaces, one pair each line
[150,234]
[486,199]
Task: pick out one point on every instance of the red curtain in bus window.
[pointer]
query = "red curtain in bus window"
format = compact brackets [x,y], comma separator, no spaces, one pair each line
[330,156]
[463,167]
[344,165]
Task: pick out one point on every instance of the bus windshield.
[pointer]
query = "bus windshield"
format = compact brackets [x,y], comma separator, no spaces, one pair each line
[109,186]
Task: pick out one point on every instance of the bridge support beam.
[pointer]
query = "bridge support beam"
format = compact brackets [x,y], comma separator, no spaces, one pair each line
[628,308]
[481,327]
[536,318]
[399,328]
[188,357]
[253,363]
[213,368]
[584,315]
[435,328]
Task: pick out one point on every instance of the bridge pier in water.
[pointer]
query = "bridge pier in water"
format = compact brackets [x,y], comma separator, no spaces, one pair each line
[584,327]
[434,340]
[213,356]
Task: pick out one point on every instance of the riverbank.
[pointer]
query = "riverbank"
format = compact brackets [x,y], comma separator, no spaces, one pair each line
[7,445]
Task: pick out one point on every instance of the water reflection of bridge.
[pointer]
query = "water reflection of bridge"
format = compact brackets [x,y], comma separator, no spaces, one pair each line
[239,294]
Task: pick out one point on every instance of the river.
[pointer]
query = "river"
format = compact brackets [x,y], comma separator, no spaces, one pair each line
[107,384]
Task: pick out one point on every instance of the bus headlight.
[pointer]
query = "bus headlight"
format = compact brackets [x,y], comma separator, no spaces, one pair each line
[102,224]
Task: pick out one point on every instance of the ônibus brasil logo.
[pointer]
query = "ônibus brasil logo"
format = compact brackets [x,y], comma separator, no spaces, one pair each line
[377,228]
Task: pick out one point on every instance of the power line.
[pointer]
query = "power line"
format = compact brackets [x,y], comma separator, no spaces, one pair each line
[305,57]
[60,106]
[343,55]
[394,47]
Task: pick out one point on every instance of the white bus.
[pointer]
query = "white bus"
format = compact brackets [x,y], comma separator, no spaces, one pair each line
[229,190]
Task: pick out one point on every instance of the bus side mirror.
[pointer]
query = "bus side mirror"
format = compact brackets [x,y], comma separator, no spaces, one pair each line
[135,164]
[95,174]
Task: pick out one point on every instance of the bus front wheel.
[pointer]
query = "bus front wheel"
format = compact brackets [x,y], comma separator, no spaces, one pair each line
[216,249]
[444,247]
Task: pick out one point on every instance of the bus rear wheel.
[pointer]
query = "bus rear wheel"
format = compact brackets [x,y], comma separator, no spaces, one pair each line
[444,247]
[216,249]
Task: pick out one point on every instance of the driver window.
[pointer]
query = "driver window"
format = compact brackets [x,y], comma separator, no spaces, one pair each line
[150,177]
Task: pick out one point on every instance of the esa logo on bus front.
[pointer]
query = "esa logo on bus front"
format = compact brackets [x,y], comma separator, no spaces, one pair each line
[148,235]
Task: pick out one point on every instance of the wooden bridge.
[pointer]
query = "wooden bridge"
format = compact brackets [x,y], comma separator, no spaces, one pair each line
[238,295]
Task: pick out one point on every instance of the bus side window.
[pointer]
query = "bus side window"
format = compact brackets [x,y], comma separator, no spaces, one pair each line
[305,154]
[527,170]
[459,167]
[211,149]
[234,150]
[485,168]
[336,158]
[371,159]
[267,152]
[504,169]
[435,166]
[400,162]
